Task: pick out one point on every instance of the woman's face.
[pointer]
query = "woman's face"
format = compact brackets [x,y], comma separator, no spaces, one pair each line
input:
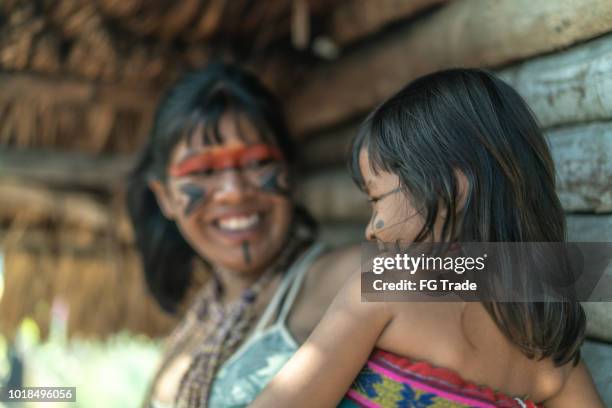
[394,218]
[230,201]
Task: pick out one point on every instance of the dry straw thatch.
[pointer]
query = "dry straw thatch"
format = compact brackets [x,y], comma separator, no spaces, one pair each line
[100,281]
[85,76]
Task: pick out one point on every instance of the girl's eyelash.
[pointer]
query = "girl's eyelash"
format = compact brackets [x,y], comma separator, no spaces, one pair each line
[384,195]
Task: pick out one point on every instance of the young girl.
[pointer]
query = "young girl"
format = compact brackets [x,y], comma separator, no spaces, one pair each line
[456,156]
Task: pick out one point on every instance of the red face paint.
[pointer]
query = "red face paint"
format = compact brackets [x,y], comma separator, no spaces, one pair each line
[226,158]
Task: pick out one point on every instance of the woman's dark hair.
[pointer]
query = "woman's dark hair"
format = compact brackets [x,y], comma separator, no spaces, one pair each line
[468,120]
[196,101]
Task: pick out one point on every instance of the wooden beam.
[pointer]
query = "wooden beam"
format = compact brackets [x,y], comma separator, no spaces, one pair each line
[594,228]
[38,202]
[332,196]
[74,92]
[42,112]
[200,20]
[580,228]
[589,228]
[65,169]
[562,88]
[74,240]
[567,87]
[584,166]
[463,33]
[355,19]
[329,148]
[599,325]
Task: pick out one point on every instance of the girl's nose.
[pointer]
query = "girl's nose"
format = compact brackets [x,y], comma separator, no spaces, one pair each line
[369,232]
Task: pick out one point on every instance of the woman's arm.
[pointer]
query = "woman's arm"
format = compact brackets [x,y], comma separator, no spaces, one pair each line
[322,370]
[578,391]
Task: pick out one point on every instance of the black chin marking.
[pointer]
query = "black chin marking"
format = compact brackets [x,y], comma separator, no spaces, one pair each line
[273,182]
[195,195]
[246,252]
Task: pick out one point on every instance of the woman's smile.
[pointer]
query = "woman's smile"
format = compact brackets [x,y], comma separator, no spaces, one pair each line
[236,226]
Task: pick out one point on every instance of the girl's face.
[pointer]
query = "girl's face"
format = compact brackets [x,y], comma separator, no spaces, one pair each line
[394,218]
[230,201]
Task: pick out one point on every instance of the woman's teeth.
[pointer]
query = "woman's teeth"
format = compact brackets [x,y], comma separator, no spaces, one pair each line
[238,223]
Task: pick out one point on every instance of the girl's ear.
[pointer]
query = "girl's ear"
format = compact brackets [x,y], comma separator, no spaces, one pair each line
[162,195]
[463,186]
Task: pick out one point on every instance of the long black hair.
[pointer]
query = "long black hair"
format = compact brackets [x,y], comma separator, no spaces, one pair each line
[198,99]
[469,120]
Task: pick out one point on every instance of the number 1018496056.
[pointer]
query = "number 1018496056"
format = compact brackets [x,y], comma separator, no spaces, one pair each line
[38,394]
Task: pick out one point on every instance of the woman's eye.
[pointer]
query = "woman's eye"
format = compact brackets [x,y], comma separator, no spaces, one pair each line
[201,172]
[257,163]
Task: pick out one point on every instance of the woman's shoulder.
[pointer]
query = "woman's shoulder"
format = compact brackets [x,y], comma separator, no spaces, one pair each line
[324,279]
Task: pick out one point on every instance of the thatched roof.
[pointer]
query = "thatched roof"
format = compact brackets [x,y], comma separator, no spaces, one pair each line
[85,75]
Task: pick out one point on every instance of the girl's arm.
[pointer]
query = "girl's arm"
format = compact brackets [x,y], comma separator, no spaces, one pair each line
[322,370]
[578,391]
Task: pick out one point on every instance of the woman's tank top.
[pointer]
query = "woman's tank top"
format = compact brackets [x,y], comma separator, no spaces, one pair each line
[244,375]
[252,366]
[268,348]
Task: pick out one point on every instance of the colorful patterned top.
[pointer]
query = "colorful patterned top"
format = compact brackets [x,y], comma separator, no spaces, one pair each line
[388,380]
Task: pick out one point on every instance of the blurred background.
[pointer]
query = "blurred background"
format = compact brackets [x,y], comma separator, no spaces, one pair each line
[79,80]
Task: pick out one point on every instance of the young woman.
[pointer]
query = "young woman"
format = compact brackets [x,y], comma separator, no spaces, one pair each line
[213,190]
[455,156]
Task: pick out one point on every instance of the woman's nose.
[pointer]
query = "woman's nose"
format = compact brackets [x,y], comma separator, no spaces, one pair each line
[232,186]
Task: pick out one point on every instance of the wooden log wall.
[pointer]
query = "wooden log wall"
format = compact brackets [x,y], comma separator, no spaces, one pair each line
[569,91]
[462,33]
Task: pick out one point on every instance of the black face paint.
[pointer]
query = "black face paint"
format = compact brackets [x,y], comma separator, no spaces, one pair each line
[380,224]
[246,252]
[275,182]
[372,220]
[195,195]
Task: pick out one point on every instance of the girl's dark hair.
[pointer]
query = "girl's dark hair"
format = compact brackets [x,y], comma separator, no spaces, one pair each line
[196,101]
[468,120]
